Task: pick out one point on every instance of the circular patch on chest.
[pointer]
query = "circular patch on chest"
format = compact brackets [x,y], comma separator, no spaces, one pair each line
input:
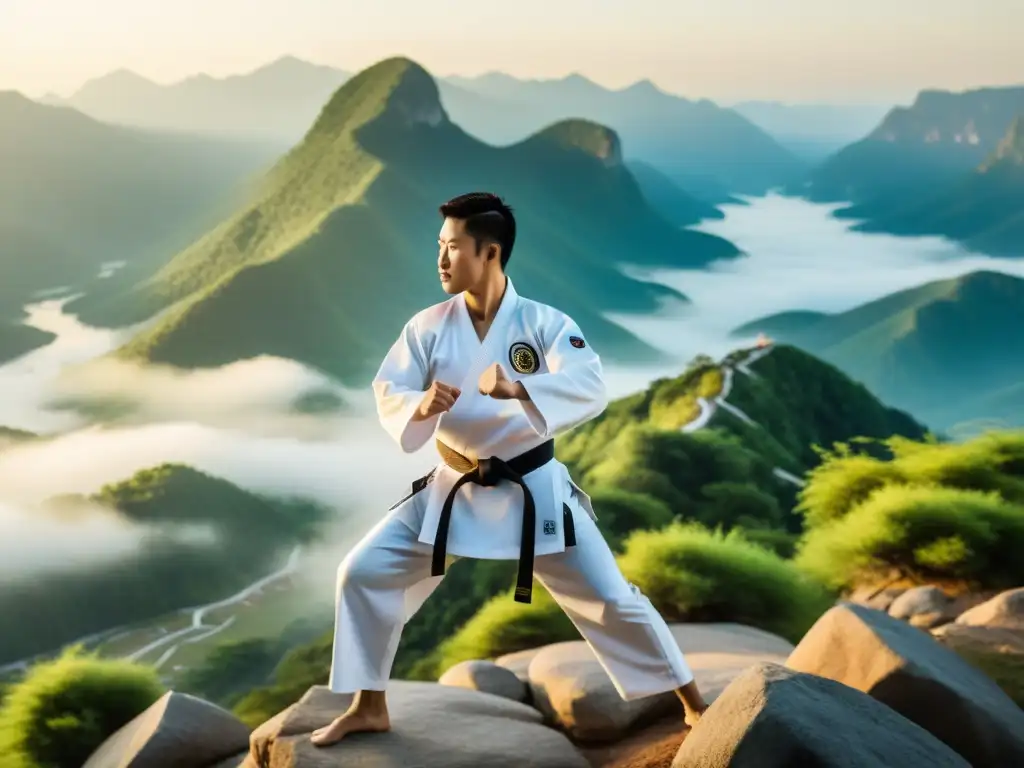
[523,357]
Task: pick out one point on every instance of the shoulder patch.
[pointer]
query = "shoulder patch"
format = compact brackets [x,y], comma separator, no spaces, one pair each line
[577,341]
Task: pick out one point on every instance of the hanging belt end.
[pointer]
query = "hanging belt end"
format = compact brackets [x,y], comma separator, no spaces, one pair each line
[524,594]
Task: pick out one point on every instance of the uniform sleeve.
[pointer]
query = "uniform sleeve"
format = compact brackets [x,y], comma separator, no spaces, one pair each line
[399,387]
[572,390]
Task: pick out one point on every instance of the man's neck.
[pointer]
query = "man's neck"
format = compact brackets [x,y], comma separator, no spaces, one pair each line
[483,301]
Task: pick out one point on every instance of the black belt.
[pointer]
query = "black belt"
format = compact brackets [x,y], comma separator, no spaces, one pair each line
[490,472]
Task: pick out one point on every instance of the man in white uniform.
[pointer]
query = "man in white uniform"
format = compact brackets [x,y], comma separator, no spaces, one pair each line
[498,492]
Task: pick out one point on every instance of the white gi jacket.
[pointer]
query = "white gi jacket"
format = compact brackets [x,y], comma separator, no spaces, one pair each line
[537,345]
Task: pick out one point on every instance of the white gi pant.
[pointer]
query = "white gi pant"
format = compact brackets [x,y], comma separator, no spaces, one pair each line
[386,578]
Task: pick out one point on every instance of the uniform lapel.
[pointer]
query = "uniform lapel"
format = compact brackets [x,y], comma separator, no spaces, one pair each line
[487,351]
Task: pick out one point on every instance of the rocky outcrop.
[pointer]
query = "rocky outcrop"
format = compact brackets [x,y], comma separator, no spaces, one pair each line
[177,730]
[487,677]
[908,670]
[573,691]
[773,717]
[432,726]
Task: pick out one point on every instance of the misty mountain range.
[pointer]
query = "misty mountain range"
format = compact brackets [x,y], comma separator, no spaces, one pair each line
[712,151]
[397,140]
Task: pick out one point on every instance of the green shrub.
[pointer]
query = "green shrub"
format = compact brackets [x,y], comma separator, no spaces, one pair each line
[840,483]
[693,574]
[730,504]
[505,626]
[993,461]
[782,543]
[923,533]
[620,512]
[65,709]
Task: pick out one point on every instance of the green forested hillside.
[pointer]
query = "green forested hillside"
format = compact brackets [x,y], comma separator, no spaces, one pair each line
[948,350]
[337,249]
[236,538]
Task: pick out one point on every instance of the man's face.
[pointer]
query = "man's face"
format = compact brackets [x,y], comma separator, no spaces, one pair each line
[459,263]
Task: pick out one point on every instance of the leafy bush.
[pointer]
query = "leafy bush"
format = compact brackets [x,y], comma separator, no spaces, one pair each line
[737,504]
[620,512]
[924,533]
[299,670]
[842,482]
[505,626]
[66,708]
[693,574]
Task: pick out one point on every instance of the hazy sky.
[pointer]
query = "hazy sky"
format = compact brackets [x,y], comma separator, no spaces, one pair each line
[797,50]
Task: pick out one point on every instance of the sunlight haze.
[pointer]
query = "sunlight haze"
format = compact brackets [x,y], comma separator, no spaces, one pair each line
[730,50]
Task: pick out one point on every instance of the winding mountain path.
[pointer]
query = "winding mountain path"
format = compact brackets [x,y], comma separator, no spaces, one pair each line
[198,614]
[708,408]
[193,633]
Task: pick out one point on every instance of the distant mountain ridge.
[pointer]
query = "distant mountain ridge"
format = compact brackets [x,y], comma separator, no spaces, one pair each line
[984,209]
[710,151]
[813,131]
[76,193]
[938,138]
[330,239]
[949,351]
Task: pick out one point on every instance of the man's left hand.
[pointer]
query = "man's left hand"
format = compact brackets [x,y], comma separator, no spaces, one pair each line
[494,383]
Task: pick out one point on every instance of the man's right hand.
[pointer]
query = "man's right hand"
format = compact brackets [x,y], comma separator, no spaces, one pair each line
[438,399]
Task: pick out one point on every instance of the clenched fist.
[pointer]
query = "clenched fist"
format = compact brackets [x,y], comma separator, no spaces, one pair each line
[494,383]
[438,399]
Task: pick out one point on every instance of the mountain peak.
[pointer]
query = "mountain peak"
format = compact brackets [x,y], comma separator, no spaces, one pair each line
[593,138]
[398,87]
[1010,150]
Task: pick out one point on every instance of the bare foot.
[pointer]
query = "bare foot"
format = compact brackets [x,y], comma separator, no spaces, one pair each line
[693,716]
[353,721]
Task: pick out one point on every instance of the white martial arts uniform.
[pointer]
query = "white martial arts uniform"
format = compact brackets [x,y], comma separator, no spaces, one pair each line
[385,579]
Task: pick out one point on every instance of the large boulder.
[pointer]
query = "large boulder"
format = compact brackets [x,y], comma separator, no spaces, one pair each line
[908,670]
[773,717]
[433,726]
[572,689]
[177,730]
[488,677]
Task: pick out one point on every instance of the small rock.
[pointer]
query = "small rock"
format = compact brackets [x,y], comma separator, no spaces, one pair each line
[176,730]
[518,663]
[1004,610]
[919,601]
[929,620]
[486,677]
[432,726]
[908,670]
[872,597]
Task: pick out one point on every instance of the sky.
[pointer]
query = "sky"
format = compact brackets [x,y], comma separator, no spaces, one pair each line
[836,51]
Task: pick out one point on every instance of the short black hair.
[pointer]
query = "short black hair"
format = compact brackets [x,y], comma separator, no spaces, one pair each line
[487,218]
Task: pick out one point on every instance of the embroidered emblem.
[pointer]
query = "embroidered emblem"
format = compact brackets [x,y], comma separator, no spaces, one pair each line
[549,527]
[577,342]
[523,357]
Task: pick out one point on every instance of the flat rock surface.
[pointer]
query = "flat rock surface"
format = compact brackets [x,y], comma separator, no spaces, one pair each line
[432,726]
